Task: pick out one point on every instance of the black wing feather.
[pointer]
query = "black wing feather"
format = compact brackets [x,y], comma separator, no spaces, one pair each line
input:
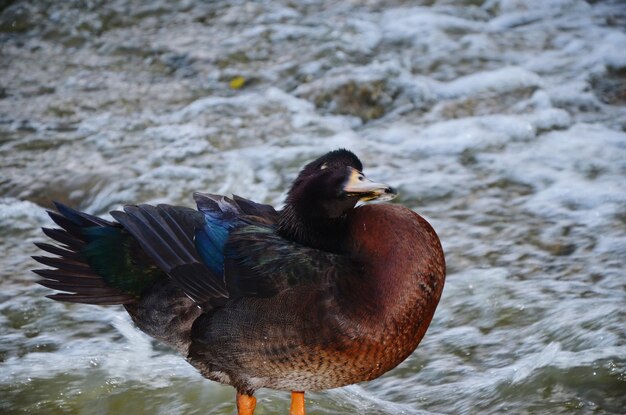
[55,250]
[251,208]
[91,299]
[166,234]
[65,238]
[67,264]
[261,263]
[74,272]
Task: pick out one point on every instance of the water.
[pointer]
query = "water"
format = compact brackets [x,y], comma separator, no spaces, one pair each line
[502,122]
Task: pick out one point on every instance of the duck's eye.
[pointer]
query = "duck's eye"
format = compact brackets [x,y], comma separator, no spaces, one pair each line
[361,178]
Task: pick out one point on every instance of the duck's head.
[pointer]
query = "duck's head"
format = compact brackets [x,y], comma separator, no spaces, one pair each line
[332,185]
[325,191]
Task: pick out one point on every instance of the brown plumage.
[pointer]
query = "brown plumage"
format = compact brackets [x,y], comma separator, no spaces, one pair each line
[319,295]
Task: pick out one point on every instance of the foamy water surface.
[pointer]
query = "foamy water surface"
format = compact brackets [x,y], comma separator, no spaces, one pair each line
[501,121]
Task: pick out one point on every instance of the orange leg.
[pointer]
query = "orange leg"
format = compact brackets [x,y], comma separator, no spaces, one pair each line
[245,404]
[297,404]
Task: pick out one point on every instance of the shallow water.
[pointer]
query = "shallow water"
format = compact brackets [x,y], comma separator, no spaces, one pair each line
[502,122]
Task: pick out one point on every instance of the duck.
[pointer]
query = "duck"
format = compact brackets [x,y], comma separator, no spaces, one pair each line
[328,291]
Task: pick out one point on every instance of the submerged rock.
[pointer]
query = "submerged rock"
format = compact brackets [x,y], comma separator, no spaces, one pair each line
[366,99]
[610,86]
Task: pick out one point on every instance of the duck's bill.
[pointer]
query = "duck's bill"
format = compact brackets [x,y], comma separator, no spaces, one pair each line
[360,186]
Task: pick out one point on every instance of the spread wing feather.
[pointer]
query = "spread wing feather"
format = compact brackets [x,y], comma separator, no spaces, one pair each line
[166,234]
[93,264]
[226,249]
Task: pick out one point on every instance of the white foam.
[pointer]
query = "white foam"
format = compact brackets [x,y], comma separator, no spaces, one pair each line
[21,215]
[499,81]
[420,24]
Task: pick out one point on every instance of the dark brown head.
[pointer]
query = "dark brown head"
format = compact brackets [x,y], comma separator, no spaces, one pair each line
[323,193]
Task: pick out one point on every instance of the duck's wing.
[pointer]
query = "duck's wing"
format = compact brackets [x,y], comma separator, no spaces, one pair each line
[226,249]
[240,242]
[103,262]
[167,234]
[96,262]
[188,245]
[260,263]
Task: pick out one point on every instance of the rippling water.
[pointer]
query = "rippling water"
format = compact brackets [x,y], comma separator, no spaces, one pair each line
[501,121]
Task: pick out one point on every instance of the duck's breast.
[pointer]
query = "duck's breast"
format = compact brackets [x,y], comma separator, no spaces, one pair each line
[393,300]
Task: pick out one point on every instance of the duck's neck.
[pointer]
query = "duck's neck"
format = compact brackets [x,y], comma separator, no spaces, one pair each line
[317,232]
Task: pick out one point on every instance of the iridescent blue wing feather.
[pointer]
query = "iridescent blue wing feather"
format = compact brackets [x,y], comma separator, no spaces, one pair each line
[167,233]
[239,240]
